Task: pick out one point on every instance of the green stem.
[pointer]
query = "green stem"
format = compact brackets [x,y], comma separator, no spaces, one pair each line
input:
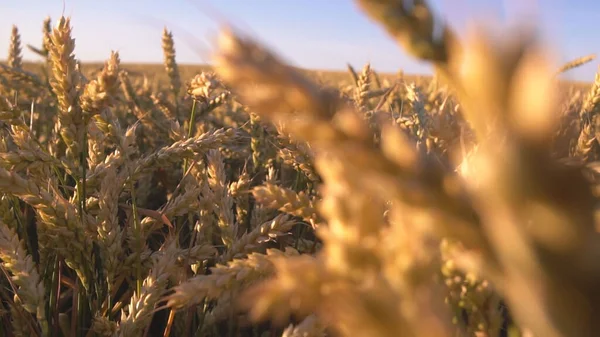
[297,181]
[138,233]
[80,310]
[81,194]
[53,298]
[109,297]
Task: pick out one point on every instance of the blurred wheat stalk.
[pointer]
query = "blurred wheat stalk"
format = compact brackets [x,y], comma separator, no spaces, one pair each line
[527,224]
[254,200]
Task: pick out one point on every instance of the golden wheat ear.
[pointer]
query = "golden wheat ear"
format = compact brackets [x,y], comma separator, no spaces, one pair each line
[504,87]
[515,117]
[578,62]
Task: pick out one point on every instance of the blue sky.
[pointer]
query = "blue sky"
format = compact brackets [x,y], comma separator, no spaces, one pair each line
[323,34]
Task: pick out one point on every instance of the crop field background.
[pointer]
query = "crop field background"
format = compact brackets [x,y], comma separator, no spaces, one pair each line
[252,198]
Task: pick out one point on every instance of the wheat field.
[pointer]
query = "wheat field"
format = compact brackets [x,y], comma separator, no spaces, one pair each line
[252,198]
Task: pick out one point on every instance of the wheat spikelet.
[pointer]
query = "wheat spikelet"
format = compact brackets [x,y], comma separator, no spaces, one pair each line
[224,277]
[170,63]
[576,63]
[286,200]
[15,259]
[15,57]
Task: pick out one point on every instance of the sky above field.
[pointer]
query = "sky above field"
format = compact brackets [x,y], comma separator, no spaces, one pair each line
[322,34]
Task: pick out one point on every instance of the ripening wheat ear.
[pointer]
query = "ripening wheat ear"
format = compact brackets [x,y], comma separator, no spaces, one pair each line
[575,63]
[226,277]
[43,51]
[65,84]
[542,207]
[18,262]
[139,313]
[100,93]
[286,200]
[46,31]
[168,45]
[15,57]
[414,26]
[505,91]
[363,84]
[587,146]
